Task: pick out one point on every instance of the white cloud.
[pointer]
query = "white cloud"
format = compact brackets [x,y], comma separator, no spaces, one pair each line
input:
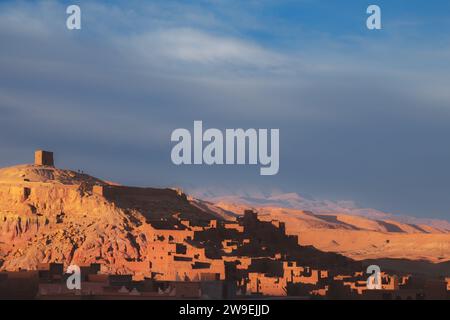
[197,48]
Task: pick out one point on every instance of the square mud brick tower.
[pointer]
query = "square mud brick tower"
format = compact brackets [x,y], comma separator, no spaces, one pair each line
[43,158]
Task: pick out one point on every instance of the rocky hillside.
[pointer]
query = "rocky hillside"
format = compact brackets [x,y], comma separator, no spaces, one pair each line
[53,215]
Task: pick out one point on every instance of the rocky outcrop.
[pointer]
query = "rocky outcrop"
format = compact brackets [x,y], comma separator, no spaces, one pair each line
[53,215]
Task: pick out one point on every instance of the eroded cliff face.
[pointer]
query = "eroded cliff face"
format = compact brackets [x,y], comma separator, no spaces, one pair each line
[64,224]
[53,215]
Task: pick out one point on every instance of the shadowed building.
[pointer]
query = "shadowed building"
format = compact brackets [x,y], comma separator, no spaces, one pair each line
[43,158]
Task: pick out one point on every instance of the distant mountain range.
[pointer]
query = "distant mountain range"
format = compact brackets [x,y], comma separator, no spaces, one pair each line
[343,227]
[324,207]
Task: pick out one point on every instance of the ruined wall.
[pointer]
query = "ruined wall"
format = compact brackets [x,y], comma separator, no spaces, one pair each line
[260,284]
[154,203]
[123,191]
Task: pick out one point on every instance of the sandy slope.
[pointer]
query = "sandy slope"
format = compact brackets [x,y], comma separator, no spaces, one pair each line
[359,237]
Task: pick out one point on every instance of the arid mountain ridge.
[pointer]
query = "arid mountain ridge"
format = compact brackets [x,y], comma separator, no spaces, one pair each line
[367,235]
[321,207]
[49,214]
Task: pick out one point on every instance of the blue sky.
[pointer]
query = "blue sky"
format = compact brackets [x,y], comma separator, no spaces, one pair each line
[363,115]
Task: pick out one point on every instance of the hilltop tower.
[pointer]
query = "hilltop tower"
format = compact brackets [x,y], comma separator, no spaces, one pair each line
[43,158]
